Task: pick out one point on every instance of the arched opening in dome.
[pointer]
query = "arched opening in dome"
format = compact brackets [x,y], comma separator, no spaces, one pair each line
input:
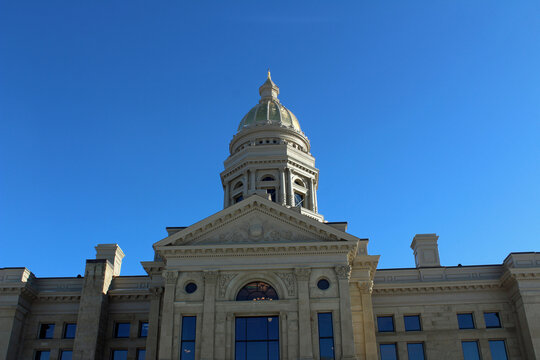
[257,291]
[299,182]
[268,178]
[238,185]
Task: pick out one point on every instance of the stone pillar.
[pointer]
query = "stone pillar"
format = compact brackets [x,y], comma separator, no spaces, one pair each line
[245,184]
[426,251]
[88,344]
[227,195]
[207,346]
[153,323]
[282,187]
[290,192]
[343,273]
[315,207]
[311,195]
[304,314]
[113,253]
[167,316]
[368,322]
[252,181]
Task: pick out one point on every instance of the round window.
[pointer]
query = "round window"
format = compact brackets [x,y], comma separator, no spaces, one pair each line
[323,284]
[191,288]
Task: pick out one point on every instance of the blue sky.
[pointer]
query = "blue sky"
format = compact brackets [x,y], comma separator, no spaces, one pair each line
[115,119]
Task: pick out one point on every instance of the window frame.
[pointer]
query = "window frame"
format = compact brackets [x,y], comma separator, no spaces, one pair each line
[62,351]
[417,343]
[115,330]
[471,341]
[419,323]
[393,324]
[498,318]
[394,344]
[194,340]
[139,333]
[472,318]
[504,345]
[38,352]
[64,331]
[40,330]
[118,349]
[326,337]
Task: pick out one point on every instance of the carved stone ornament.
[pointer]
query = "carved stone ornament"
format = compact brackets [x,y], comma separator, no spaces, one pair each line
[289,280]
[210,276]
[170,277]
[365,286]
[224,280]
[302,274]
[343,271]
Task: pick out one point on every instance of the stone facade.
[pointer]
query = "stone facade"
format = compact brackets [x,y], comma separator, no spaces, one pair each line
[271,234]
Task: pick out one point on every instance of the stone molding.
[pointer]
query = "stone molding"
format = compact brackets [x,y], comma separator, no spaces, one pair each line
[210,276]
[170,277]
[224,281]
[302,274]
[435,287]
[290,282]
[343,272]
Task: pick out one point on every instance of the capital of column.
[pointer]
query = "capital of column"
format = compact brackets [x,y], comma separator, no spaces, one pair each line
[170,277]
[365,286]
[343,272]
[210,276]
[302,274]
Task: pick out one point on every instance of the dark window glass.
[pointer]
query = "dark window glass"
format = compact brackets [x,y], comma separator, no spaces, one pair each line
[323,284]
[257,291]
[66,355]
[69,331]
[415,351]
[46,331]
[326,336]
[257,338]
[119,354]
[268,178]
[143,329]
[385,323]
[141,354]
[492,320]
[498,350]
[470,350]
[388,351]
[298,200]
[121,330]
[272,193]
[238,185]
[238,198]
[465,321]
[189,327]
[43,355]
[298,182]
[191,288]
[412,323]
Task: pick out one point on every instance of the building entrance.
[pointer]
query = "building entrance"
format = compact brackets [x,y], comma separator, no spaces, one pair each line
[257,338]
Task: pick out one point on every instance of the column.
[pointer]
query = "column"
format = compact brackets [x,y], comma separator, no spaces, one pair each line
[315,208]
[153,323]
[311,195]
[227,196]
[245,184]
[282,187]
[252,181]
[304,314]
[167,318]
[343,273]
[290,192]
[207,345]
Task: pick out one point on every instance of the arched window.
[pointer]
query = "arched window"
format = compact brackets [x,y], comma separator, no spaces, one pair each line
[257,291]
[299,200]
[299,182]
[268,178]
[238,185]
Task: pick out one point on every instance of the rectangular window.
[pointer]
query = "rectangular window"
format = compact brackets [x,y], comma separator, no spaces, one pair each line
[326,336]
[256,338]
[388,351]
[189,324]
[66,354]
[415,351]
[470,350]
[143,329]
[69,331]
[43,355]
[385,323]
[412,323]
[119,355]
[46,331]
[465,321]
[498,350]
[141,354]
[492,320]
[121,330]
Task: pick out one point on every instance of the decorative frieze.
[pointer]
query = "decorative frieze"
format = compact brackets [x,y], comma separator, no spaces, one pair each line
[170,277]
[224,280]
[290,282]
[343,271]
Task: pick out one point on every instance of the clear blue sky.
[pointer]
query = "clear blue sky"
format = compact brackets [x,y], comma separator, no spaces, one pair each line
[115,119]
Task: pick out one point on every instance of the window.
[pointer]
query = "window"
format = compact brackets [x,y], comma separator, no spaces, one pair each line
[272,193]
[257,291]
[66,354]
[412,323]
[43,355]
[492,320]
[191,288]
[238,185]
[465,321]
[141,354]
[498,350]
[323,284]
[415,351]
[187,351]
[257,338]
[238,198]
[385,323]
[119,355]
[268,178]
[121,330]
[299,200]
[326,336]
[299,182]
[69,331]
[470,350]
[143,329]
[388,351]
[46,331]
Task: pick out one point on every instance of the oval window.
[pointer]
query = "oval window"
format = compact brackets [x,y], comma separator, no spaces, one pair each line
[191,288]
[323,284]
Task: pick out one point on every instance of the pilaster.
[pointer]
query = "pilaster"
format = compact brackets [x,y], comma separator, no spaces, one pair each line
[207,347]
[343,273]
[167,317]
[304,313]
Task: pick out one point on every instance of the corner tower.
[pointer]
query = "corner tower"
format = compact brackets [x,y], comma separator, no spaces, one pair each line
[270,156]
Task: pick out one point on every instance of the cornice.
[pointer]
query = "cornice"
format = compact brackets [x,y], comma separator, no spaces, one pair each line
[284,162]
[63,298]
[440,287]
[132,295]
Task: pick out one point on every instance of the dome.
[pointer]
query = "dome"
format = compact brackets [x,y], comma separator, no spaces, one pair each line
[269,110]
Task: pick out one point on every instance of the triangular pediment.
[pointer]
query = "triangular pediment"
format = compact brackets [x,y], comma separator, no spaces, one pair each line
[255,220]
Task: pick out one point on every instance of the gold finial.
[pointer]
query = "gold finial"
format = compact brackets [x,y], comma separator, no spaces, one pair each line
[269,78]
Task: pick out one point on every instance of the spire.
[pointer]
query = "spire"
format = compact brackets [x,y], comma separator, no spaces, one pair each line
[269,90]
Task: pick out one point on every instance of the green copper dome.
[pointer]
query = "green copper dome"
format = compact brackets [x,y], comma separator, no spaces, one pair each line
[269,110]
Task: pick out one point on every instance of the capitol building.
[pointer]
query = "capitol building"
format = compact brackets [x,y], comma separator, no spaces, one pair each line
[268,277]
